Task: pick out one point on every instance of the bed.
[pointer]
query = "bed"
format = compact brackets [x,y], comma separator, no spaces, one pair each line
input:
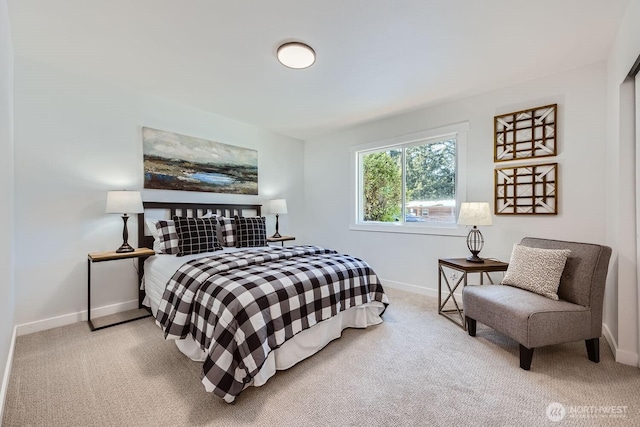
[248,312]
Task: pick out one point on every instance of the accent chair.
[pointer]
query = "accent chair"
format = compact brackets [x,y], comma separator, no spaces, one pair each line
[534,320]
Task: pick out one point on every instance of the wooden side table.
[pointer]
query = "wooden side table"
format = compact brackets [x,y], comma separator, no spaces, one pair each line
[456,315]
[280,239]
[141,254]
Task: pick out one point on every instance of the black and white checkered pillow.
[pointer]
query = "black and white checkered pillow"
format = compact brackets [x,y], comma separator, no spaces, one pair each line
[167,237]
[227,231]
[250,231]
[196,235]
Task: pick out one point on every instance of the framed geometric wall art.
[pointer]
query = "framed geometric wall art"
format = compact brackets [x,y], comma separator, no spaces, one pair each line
[526,190]
[526,134]
[178,162]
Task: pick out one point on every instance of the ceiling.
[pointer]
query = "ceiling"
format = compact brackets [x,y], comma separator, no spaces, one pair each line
[375,58]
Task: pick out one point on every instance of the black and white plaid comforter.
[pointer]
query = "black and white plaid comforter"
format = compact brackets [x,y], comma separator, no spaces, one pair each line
[240,306]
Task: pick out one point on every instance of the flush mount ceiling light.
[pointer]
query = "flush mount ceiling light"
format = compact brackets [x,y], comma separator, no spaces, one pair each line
[296,55]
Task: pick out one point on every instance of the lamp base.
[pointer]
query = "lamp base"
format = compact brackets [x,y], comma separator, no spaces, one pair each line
[277,234]
[475,242]
[125,248]
[475,258]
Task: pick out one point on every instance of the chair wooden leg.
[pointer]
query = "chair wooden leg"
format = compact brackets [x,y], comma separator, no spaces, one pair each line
[471,326]
[593,349]
[526,354]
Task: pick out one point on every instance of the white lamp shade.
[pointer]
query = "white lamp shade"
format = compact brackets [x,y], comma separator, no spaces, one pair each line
[278,206]
[475,213]
[122,202]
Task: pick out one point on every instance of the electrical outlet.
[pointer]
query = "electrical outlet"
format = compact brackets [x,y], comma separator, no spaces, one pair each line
[454,276]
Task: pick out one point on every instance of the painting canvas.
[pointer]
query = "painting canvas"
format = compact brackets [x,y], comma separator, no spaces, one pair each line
[178,162]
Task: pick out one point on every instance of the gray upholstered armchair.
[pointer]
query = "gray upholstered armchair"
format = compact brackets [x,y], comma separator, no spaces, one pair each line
[534,320]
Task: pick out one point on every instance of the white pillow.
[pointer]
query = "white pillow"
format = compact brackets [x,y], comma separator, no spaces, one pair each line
[153,230]
[536,270]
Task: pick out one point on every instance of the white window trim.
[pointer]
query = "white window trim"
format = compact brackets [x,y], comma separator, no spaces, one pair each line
[460,130]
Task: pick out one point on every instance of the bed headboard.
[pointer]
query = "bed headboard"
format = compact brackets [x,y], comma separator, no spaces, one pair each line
[190,210]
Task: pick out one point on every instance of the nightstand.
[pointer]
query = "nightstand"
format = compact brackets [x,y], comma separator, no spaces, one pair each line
[281,239]
[141,254]
[464,267]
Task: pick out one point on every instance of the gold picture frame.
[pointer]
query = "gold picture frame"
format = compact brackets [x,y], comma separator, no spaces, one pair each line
[526,134]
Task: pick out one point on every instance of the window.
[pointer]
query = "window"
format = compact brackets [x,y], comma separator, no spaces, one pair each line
[412,183]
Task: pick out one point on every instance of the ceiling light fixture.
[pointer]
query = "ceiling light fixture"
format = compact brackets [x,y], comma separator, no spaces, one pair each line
[296,55]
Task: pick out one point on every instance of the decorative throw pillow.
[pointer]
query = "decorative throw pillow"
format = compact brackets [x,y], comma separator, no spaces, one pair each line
[251,231]
[536,270]
[167,237]
[214,216]
[227,231]
[151,226]
[196,235]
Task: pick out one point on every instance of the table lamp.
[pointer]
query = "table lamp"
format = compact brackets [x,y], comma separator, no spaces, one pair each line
[277,206]
[475,213]
[124,202]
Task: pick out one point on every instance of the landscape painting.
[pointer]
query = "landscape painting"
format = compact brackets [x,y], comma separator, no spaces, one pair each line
[178,162]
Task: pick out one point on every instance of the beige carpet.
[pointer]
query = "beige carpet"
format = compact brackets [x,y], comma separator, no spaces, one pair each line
[417,368]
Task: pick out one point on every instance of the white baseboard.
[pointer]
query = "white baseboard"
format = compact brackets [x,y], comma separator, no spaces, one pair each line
[410,288]
[7,372]
[613,345]
[68,319]
[620,356]
[627,358]
[418,289]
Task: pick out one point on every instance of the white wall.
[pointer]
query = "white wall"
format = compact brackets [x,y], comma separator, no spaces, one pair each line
[410,260]
[74,141]
[6,198]
[621,302]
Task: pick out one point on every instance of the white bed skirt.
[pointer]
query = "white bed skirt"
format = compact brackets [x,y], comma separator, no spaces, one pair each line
[303,344]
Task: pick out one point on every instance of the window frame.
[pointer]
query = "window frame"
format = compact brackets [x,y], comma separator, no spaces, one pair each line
[459,131]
